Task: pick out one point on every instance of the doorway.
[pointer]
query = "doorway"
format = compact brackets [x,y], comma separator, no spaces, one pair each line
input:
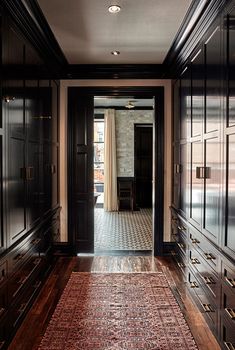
[125,227]
[80,163]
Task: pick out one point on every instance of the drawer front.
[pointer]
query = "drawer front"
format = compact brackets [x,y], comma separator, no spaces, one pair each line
[204,302]
[4,333]
[228,274]
[228,304]
[19,309]
[24,251]
[227,334]
[3,271]
[23,276]
[205,248]
[181,261]
[3,301]
[209,279]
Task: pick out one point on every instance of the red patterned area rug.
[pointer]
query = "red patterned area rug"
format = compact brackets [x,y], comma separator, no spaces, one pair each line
[117,311]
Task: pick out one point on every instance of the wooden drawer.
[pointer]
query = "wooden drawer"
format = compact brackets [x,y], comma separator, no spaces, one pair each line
[22,277]
[19,309]
[227,334]
[208,277]
[24,251]
[3,301]
[228,274]
[4,333]
[204,302]
[3,271]
[205,248]
[228,304]
[181,261]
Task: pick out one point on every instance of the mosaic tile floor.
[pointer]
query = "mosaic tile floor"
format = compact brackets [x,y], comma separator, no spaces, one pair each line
[123,231]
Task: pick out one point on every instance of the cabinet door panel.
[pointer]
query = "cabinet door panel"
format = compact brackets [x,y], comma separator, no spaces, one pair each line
[45,108]
[184,178]
[16,189]
[231,69]
[185,103]
[32,114]
[176,176]
[197,183]
[213,81]
[33,183]
[176,110]
[197,94]
[230,222]
[212,187]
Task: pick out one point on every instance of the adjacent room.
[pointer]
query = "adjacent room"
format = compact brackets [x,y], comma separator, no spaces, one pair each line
[123,174]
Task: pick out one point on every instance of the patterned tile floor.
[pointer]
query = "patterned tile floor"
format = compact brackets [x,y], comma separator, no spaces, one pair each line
[123,231]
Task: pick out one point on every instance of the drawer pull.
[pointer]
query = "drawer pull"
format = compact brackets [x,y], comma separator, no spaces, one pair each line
[209,256]
[195,241]
[22,308]
[207,308]
[181,245]
[2,310]
[230,346]
[37,284]
[19,257]
[195,261]
[35,241]
[182,228]
[22,280]
[209,280]
[194,285]
[230,281]
[180,264]
[230,312]
[173,253]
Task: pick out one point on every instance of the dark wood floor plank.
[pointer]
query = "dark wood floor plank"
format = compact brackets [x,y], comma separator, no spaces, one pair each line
[31,332]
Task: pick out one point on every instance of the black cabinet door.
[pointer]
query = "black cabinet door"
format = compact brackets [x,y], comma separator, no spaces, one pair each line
[80,118]
[184,179]
[185,103]
[45,109]
[33,184]
[46,177]
[231,68]
[16,189]
[32,113]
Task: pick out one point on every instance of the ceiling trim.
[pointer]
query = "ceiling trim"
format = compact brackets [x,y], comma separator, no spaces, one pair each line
[29,18]
[199,18]
[113,71]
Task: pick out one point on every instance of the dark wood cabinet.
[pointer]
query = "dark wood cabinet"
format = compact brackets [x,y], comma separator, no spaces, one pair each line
[204,246]
[29,151]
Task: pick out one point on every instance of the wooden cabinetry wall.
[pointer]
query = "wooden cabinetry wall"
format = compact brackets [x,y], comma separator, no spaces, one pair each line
[203,209]
[29,215]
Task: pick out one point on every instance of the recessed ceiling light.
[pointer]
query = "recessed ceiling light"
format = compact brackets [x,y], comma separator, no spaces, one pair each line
[115,53]
[114,9]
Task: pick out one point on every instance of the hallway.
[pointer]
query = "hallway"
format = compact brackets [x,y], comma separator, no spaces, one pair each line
[38,317]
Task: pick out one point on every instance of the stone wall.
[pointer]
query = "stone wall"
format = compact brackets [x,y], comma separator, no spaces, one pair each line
[125,121]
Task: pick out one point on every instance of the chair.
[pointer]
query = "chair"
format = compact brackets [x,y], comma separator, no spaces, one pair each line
[125,193]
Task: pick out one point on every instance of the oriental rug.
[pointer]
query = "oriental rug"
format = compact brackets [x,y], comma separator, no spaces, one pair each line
[117,311]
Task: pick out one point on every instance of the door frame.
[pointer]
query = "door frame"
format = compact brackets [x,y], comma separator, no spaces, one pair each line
[158,155]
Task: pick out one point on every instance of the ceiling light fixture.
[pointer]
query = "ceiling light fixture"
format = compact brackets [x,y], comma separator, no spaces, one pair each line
[115,53]
[130,105]
[114,8]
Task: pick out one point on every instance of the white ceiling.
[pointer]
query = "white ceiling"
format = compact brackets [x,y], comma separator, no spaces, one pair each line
[142,31]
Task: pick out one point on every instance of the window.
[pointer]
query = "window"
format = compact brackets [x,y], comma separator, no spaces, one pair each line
[99,159]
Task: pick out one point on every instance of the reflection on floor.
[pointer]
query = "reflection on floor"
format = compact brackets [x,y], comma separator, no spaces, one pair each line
[123,231]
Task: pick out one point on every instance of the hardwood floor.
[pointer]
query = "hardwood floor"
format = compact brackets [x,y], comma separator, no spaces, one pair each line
[30,333]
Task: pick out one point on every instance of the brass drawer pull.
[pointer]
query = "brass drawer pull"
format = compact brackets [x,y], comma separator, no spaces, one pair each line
[194,285]
[209,280]
[195,261]
[180,264]
[209,256]
[19,257]
[230,281]
[22,280]
[2,310]
[230,346]
[207,308]
[230,312]
[195,241]
[182,228]
[181,245]
[35,241]
[22,308]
